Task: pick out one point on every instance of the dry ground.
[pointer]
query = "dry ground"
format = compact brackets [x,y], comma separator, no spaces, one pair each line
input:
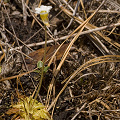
[93,92]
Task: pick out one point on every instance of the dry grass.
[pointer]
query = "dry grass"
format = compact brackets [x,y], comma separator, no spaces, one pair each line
[86,78]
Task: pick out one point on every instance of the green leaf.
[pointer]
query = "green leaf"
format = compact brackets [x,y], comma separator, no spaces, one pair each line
[37,71]
[30,111]
[39,64]
[46,69]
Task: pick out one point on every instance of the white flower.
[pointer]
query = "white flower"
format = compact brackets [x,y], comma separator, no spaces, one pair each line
[43,9]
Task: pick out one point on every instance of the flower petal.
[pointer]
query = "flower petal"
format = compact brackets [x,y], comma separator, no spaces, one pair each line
[43,8]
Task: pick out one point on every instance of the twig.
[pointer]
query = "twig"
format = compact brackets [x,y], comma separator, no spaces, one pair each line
[95,61]
[90,26]
[74,12]
[103,11]
[113,3]
[36,14]
[97,42]
[2,43]
[52,2]
[24,13]
[79,111]
[6,46]
[64,37]
[68,5]
[27,1]
[22,54]
[83,8]
[20,75]
[16,37]
[90,116]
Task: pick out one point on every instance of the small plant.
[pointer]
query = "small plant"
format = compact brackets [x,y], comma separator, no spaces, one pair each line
[39,66]
[30,109]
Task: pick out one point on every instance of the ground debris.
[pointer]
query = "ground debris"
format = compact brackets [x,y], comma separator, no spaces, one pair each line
[94,91]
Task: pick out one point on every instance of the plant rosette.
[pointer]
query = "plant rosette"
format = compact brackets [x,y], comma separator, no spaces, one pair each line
[30,109]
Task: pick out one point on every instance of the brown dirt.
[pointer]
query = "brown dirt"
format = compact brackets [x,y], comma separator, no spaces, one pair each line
[99,88]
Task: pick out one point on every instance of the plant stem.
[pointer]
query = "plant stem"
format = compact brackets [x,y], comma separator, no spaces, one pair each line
[42,73]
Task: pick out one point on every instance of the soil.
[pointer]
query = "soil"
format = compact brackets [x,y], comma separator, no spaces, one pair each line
[94,93]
